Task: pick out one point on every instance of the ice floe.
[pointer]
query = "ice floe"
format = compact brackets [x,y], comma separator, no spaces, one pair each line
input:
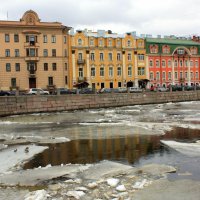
[189,149]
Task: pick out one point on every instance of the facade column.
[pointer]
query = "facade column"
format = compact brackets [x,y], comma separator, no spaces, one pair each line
[123,69]
[173,81]
[189,75]
[88,66]
[73,68]
[147,71]
[136,71]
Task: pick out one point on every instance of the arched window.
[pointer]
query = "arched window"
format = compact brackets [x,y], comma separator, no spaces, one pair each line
[80,41]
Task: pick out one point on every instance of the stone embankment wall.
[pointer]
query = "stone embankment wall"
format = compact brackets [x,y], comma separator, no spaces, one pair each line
[31,104]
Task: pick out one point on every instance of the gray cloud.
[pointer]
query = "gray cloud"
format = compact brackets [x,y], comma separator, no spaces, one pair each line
[144,16]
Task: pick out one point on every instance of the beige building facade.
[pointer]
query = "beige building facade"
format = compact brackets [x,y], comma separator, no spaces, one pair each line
[49,55]
[33,53]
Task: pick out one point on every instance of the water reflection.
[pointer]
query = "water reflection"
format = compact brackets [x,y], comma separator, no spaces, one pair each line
[127,149]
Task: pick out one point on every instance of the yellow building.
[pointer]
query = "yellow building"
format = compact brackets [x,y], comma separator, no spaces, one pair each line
[33,53]
[106,60]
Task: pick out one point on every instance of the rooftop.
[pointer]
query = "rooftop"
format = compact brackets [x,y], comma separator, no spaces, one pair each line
[172,41]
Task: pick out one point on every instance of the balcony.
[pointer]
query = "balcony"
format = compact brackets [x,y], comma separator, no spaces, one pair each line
[32,58]
[81,79]
[32,45]
[81,61]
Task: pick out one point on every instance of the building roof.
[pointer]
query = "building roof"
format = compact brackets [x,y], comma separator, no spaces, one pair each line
[171,41]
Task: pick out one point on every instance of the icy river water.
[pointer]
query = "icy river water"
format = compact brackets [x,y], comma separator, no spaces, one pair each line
[129,135]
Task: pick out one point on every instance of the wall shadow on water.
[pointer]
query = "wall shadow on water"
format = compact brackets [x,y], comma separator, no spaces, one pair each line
[128,149]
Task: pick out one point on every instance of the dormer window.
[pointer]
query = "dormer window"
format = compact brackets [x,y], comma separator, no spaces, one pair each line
[193,50]
[166,49]
[154,48]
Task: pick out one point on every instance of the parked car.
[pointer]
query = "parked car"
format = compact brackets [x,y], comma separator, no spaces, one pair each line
[122,89]
[162,89]
[65,91]
[4,93]
[188,88]
[135,89]
[105,90]
[34,91]
[86,91]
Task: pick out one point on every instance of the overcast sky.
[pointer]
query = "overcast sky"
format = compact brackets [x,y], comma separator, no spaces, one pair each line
[165,17]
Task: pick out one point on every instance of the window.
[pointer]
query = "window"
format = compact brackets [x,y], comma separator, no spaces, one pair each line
[180,51]
[140,44]
[176,63]
[79,42]
[176,75]
[66,68]
[111,71]
[128,43]
[118,43]
[140,56]
[186,63]
[191,75]
[65,39]
[119,84]
[16,38]
[141,71]
[53,39]
[91,42]
[7,52]
[54,66]
[80,56]
[66,80]
[169,63]
[191,63]
[129,56]
[163,63]
[65,52]
[8,67]
[16,52]
[13,82]
[101,57]
[118,56]
[80,72]
[53,52]
[157,63]
[119,71]
[151,76]
[196,64]
[181,63]
[32,52]
[45,52]
[157,76]
[45,66]
[45,39]
[166,49]
[186,75]
[92,56]
[163,75]
[93,71]
[153,49]
[101,71]
[110,56]
[100,42]
[197,75]
[7,38]
[109,42]
[169,75]
[129,71]
[50,80]
[151,63]
[31,39]
[181,75]
[193,50]
[17,67]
